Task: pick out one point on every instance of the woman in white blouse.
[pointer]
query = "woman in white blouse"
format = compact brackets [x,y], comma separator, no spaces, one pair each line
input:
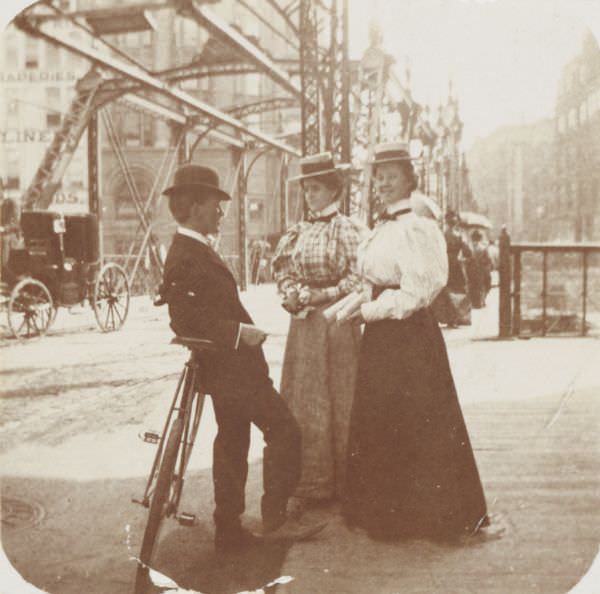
[314,266]
[411,471]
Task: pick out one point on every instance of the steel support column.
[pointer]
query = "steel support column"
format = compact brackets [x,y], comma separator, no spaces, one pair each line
[337,104]
[309,72]
[94,177]
[504,285]
[183,150]
[283,193]
[240,157]
[337,114]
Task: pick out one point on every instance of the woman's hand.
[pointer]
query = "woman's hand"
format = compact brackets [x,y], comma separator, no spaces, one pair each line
[317,296]
[356,318]
[291,302]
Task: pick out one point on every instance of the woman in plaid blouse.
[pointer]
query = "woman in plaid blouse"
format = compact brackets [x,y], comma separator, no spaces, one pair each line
[314,265]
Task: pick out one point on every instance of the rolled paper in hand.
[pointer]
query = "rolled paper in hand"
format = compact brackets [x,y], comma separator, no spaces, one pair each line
[331,312]
[350,307]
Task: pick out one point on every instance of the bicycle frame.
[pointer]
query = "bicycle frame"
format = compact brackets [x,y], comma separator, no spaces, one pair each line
[182,405]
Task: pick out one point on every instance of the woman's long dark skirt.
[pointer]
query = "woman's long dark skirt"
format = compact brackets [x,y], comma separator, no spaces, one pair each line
[411,470]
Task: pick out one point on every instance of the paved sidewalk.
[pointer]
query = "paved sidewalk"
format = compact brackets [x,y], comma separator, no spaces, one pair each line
[69,444]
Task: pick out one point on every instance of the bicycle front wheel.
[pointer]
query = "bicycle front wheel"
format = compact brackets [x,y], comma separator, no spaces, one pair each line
[158,506]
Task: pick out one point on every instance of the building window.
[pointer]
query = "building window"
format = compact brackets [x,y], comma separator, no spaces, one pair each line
[132,128]
[73,60]
[594,103]
[11,55]
[53,55]
[583,112]
[13,178]
[146,38]
[53,115]
[572,118]
[12,106]
[188,33]
[31,53]
[147,130]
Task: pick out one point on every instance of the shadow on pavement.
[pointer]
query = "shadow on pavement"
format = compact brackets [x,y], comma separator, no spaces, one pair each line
[187,556]
[67,536]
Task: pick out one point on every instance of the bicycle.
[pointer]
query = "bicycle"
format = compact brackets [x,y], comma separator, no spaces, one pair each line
[165,482]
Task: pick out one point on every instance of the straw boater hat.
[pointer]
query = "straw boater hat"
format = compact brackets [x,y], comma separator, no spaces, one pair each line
[389,152]
[196,177]
[318,165]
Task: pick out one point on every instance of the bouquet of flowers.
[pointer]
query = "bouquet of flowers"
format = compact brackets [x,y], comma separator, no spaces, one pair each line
[296,299]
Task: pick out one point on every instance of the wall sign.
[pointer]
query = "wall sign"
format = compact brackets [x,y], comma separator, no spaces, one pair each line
[26,135]
[41,76]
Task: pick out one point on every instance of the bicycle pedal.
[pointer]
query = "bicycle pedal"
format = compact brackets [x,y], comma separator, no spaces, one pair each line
[150,437]
[142,502]
[186,519]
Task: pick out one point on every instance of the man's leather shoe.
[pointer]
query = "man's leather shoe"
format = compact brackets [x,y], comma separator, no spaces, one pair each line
[233,541]
[292,530]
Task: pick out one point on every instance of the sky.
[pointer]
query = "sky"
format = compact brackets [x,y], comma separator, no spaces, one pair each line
[504,57]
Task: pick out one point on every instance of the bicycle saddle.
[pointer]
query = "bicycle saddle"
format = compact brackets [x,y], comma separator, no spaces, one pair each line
[194,344]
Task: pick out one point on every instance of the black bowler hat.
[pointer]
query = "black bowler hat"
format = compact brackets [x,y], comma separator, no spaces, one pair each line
[197,177]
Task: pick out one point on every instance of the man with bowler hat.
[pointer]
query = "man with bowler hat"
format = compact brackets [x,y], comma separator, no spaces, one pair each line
[204,303]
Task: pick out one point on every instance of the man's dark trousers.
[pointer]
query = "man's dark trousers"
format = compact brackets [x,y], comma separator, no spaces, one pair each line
[281,458]
[204,302]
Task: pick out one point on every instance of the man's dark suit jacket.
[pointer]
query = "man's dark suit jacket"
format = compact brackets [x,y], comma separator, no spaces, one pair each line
[204,303]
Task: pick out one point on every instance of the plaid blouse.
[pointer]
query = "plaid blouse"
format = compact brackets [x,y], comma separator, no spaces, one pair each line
[320,254]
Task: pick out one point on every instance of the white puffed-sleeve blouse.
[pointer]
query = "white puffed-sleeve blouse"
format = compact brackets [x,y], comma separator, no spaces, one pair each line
[408,251]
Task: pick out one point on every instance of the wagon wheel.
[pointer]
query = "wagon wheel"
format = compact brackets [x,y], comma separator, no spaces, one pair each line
[111,297]
[30,309]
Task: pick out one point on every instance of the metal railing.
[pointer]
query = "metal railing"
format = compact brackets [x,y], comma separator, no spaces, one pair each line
[524,274]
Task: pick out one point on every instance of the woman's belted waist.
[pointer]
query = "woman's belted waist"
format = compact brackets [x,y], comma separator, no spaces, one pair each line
[321,284]
[379,289]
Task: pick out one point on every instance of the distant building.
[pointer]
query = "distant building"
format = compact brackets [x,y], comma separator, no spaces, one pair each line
[542,180]
[575,210]
[37,84]
[511,174]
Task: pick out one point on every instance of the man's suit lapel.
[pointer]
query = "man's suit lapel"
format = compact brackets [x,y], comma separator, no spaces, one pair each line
[204,251]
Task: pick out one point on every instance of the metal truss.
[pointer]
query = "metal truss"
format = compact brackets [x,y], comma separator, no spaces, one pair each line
[310,75]
[201,69]
[337,104]
[286,14]
[189,105]
[243,47]
[241,111]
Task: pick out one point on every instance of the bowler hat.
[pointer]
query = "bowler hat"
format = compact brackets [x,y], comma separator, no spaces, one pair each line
[317,166]
[197,177]
[389,152]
